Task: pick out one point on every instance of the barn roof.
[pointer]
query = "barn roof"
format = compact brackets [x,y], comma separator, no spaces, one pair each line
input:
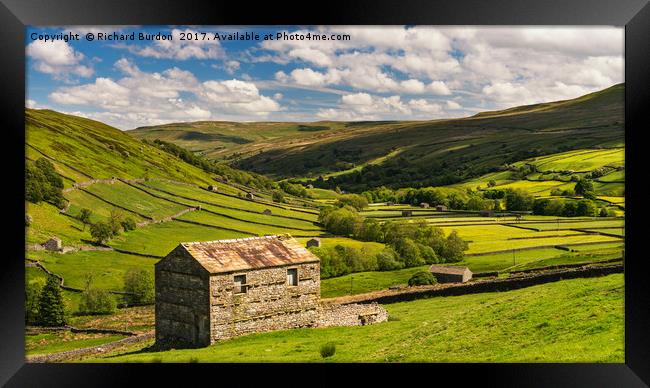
[448,269]
[248,253]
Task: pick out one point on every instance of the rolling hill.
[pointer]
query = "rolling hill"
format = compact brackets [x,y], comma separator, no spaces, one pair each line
[360,155]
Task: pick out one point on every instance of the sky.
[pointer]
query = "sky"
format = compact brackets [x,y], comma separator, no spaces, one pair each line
[362,73]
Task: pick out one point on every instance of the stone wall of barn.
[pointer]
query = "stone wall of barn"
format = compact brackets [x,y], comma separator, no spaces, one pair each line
[268,304]
[182,301]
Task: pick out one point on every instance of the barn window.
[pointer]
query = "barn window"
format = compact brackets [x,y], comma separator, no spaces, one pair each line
[240,284]
[292,276]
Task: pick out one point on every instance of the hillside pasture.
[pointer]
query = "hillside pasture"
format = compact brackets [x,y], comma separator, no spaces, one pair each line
[159,239]
[578,320]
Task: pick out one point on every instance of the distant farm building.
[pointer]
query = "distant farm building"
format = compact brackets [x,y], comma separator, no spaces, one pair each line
[53,244]
[441,208]
[390,203]
[209,291]
[267,212]
[424,205]
[450,274]
[250,196]
[486,213]
[313,242]
[407,213]
[213,188]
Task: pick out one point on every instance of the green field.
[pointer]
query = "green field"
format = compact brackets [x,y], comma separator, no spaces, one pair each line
[160,239]
[46,343]
[47,222]
[135,200]
[578,320]
[107,267]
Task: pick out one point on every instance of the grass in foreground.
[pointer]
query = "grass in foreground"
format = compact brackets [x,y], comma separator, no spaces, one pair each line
[579,320]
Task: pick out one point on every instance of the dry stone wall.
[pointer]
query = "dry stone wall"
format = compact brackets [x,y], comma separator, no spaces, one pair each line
[352,315]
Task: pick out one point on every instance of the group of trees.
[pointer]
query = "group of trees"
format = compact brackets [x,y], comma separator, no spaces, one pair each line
[102,231]
[409,244]
[44,305]
[42,183]
[570,208]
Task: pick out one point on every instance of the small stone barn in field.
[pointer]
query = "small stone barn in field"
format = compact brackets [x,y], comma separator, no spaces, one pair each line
[213,188]
[424,205]
[450,274]
[407,213]
[250,196]
[53,244]
[441,208]
[313,242]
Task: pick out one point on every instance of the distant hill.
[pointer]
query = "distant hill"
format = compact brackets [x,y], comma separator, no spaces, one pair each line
[360,155]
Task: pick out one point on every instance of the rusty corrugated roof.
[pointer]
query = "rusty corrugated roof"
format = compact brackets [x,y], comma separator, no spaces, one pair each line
[248,253]
[448,269]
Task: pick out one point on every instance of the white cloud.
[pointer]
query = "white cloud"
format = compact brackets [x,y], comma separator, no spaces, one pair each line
[179,49]
[142,98]
[57,58]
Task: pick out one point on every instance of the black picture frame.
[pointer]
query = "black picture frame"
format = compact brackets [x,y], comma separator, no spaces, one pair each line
[633,14]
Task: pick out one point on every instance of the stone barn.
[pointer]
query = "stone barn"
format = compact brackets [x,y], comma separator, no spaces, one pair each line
[53,244]
[250,196]
[208,291]
[267,212]
[486,213]
[407,213]
[441,208]
[424,205]
[450,274]
[313,242]
[213,188]
[390,203]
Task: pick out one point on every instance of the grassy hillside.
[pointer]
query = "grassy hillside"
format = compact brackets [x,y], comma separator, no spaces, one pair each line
[578,320]
[86,149]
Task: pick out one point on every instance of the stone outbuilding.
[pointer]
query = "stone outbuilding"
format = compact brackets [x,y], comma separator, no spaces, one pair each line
[424,205]
[390,203]
[208,291]
[215,290]
[407,213]
[450,274]
[250,196]
[441,208]
[213,188]
[486,213]
[53,244]
[267,212]
[313,242]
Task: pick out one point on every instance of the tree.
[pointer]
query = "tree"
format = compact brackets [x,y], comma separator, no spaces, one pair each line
[386,260]
[422,278]
[454,248]
[492,183]
[101,232]
[587,208]
[84,216]
[32,297]
[95,301]
[128,224]
[518,200]
[353,200]
[139,283]
[51,311]
[277,196]
[585,188]
[115,222]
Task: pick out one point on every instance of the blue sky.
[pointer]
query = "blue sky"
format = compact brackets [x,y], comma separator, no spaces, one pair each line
[379,73]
